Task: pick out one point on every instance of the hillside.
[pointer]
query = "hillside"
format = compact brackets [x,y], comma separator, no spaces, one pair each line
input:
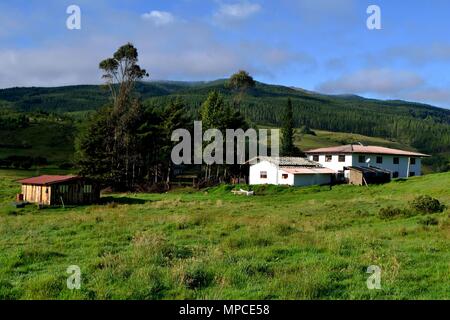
[91,97]
[283,243]
[421,127]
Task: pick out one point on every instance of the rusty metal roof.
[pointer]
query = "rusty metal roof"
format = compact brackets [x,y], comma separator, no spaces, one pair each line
[365,150]
[48,180]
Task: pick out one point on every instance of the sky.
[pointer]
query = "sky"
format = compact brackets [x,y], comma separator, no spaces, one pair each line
[318,45]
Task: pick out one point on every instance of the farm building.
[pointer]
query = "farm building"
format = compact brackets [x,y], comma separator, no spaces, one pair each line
[288,171]
[59,190]
[367,175]
[400,163]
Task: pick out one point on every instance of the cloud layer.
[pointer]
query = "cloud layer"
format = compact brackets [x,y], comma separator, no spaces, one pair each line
[378,81]
[159,18]
[236,11]
[314,44]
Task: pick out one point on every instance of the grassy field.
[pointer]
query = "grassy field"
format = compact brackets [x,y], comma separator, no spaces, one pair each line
[297,243]
[49,139]
[328,139]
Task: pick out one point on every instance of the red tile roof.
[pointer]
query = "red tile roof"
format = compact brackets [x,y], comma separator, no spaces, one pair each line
[47,180]
[366,149]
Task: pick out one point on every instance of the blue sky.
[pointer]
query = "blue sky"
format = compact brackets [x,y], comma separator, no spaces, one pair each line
[320,45]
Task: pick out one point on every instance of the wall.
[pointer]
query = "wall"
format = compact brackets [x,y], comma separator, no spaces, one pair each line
[72,194]
[289,181]
[36,194]
[311,179]
[272,173]
[274,176]
[334,165]
[355,178]
[388,163]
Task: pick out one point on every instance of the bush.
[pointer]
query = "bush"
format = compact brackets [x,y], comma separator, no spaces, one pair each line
[197,277]
[427,204]
[429,221]
[390,212]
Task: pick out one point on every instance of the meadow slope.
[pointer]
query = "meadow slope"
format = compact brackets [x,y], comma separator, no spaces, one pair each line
[297,243]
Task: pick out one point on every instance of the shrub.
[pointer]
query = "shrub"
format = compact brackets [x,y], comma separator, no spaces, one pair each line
[427,204]
[429,221]
[390,212]
[197,277]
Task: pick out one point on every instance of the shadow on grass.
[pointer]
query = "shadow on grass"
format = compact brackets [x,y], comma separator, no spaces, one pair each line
[122,200]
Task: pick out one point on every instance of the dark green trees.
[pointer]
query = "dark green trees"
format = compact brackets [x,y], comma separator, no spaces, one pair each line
[217,114]
[125,145]
[288,149]
[240,82]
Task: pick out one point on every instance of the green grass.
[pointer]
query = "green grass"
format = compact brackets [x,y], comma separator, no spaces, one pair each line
[49,139]
[283,243]
[329,139]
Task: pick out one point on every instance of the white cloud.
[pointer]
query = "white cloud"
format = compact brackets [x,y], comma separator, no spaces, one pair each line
[434,95]
[376,81]
[159,18]
[187,51]
[236,11]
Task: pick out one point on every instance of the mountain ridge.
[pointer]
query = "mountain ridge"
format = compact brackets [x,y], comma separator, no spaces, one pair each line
[155,88]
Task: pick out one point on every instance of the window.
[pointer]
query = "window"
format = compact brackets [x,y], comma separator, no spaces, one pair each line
[362,159]
[316,158]
[412,174]
[413,161]
[328,158]
[284,176]
[46,190]
[341,158]
[396,160]
[263,174]
[395,175]
[379,159]
[63,189]
[87,188]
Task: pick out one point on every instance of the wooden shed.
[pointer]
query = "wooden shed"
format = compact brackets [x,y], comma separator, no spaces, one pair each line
[367,175]
[60,190]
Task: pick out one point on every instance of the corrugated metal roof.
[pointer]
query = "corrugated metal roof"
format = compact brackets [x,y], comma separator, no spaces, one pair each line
[308,170]
[368,169]
[289,161]
[48,179]
[365,149]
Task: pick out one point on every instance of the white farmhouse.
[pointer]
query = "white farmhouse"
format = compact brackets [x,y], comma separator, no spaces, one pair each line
[289,171]
[400,163]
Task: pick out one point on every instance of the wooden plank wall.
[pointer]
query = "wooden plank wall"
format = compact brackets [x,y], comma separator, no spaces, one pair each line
[356,178]
[52,195]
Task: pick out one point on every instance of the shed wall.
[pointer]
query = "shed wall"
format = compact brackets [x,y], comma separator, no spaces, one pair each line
[70,193]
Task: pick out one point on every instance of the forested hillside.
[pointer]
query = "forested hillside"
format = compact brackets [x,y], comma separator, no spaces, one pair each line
[421,126]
